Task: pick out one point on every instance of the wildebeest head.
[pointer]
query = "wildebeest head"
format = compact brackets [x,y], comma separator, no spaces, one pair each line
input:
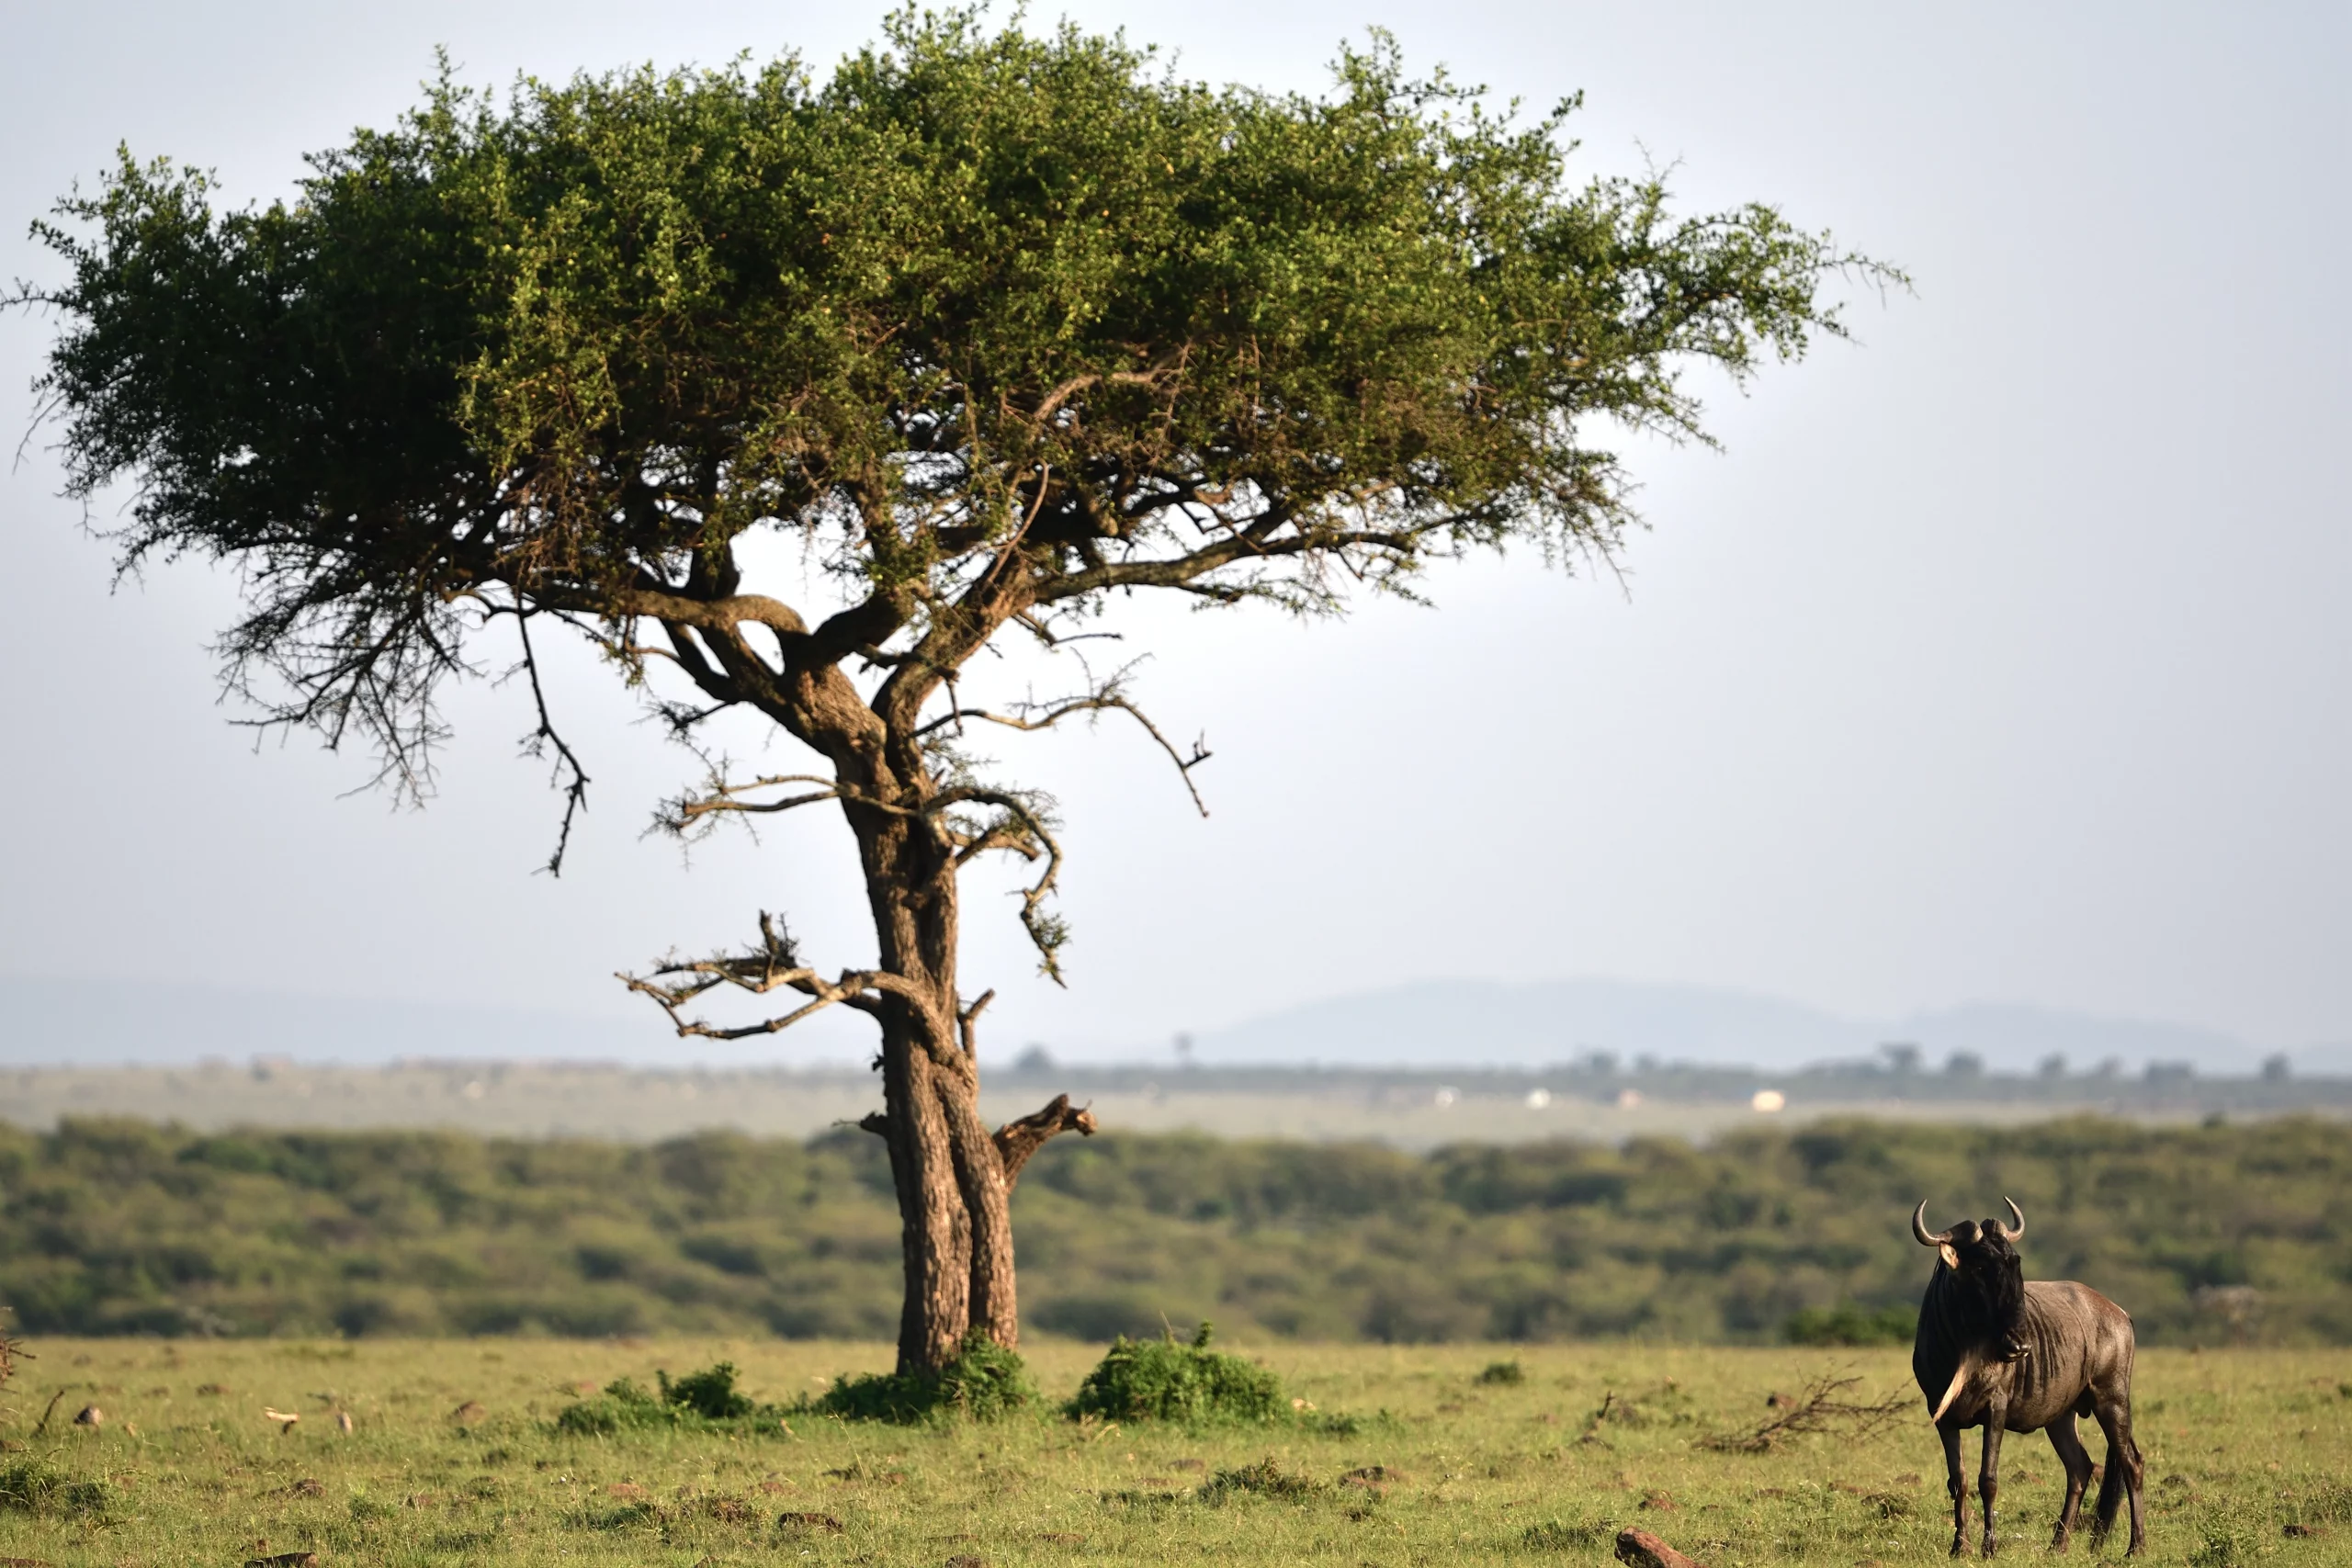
[1986,1280]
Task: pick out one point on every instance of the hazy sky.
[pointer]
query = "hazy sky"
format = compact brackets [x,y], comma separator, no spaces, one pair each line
[2003,656]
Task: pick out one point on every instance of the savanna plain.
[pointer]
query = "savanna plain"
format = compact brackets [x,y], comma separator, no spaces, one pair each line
[1394,1455]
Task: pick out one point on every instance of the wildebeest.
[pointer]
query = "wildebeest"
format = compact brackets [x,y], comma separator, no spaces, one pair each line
[1997,1352]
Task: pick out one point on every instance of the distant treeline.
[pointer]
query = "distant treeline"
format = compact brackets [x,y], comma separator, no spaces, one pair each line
[2209,1233]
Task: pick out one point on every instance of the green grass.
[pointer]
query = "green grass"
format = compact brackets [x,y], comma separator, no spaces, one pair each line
[1436,1466]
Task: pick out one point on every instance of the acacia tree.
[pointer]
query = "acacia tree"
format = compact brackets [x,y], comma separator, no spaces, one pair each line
[999,329]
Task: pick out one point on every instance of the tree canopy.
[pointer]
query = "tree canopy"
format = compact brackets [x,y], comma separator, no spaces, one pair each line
[559,352]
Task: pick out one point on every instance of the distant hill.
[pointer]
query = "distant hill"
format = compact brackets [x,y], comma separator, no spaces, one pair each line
[1435,1023]
[1501,1023]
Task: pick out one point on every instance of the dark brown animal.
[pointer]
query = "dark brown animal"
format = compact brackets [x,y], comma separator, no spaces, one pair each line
[1997,1352]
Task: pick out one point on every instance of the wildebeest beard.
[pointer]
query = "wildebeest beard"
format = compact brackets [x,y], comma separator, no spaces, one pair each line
[1993,1292]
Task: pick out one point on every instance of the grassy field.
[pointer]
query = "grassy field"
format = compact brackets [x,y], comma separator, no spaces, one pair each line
[453,1458]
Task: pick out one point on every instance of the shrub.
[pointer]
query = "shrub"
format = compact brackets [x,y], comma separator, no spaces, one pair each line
[1265,1479]
[699,1399]
[1164,1380]
[709,1393]
[622,1406]
[1510,1372]
[35,1486]
[1851,1325]
[983,1382]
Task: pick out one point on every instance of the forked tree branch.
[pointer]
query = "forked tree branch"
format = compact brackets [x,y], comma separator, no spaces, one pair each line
[1108,699]
[773,965]
[967,1023]
[1021,830]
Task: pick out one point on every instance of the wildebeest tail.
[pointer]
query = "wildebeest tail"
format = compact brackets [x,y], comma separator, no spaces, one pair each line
[2110,1490]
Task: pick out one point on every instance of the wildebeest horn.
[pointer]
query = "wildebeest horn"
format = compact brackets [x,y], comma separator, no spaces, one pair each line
[1927,1238]
[2011,1232]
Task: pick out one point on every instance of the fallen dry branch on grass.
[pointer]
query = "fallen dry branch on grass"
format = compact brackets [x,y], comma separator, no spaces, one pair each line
[1822,1408]
[1639,1549]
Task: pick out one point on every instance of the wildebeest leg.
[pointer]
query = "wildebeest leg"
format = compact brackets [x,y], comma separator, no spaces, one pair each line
[1988,1473]
[1956,1482]
[2077,1461]
[2123,1469]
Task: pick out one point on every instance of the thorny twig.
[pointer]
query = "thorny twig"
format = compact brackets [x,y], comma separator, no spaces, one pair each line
[1821,1407]
[575,793]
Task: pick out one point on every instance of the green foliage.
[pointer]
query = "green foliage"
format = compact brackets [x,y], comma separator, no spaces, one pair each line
[35,1486]
[544,351]
[1165,1380]
[1265,1478]
[116,1227]
[699,1399]
[2228,1538]
[1851,1324]
[984,1382]
[622,1406]
[709,1393]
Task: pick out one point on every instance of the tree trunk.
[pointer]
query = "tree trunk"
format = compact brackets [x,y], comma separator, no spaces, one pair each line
[954,1177]
[932,1226]
[956,1222]
[988,1201]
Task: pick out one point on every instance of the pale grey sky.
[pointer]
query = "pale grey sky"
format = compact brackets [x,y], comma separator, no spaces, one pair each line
[2003,657]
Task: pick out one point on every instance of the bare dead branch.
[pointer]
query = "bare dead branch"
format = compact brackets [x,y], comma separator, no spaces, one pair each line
[680,813]
[1107,698]
[575,793]
[1822,1407]
[967,1020]
[1016,1141]
[773,965]
[1047,932]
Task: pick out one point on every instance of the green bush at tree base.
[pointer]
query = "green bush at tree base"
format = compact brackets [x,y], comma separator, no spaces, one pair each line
[1167,1380]
[985,1383]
